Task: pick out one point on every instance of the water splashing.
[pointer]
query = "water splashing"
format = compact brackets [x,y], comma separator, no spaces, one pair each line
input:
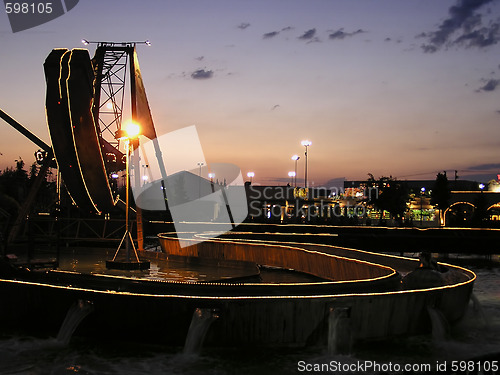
[200,323]
[478,309]
[77,312]
[339,331]
[440,326]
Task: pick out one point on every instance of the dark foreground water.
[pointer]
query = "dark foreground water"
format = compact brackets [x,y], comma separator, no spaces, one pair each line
[478,334]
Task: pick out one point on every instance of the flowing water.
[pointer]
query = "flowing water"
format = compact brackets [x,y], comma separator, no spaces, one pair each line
[200,324]
[478,334]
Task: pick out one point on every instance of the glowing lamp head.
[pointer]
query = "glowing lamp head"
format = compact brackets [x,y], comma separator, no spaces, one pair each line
[250,174]
[481,186]
[129,131]
[306,143]
[291,174]
[85,42]
[133,130]
[295,157]
[422,189]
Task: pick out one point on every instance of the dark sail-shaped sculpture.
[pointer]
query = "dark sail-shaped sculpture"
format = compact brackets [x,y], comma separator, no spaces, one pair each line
[75,104]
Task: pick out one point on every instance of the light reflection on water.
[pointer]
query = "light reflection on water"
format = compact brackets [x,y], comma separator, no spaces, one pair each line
[89,260]
[92,260]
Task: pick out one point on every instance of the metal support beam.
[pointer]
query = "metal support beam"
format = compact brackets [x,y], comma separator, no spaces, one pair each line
[21,129]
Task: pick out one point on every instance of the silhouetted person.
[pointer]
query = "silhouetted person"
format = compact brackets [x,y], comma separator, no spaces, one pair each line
[426,275]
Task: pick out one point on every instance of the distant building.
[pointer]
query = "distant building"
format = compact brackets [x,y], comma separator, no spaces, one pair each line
[417,185]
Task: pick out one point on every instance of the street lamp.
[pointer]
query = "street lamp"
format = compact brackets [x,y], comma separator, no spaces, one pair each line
[199,180]
[422,190]
[129,134]
[211,176]
[306,144]
[296,159]
[251,175]
[291,175]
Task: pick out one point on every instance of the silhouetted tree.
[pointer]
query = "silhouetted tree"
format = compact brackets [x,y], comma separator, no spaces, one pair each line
[441,193]
[13,181]
[392,195]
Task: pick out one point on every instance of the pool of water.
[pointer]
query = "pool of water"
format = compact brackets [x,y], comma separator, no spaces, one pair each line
[93,260]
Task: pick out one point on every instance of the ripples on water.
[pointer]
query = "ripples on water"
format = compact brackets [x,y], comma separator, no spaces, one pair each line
[478,334]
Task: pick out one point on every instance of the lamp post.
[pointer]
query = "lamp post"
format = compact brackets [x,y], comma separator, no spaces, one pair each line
[291,175]
[422,190]
[306,144]
[199,180]
[296,159]
[211,176]
[251,175]
[128,135]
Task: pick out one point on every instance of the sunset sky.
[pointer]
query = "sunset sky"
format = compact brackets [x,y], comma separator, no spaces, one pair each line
[389,87]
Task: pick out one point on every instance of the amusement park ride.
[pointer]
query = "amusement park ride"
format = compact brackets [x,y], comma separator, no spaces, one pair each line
[85,102]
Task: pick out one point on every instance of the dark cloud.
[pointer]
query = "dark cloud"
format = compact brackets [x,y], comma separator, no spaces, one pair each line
[490,85]
[288,28]
[314,40]
[484,167]
[429,49]
[341,34]
[463,27]
[308,35]
[270,35]
[199,58]
[483,37]
[243,25]
[202,74]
